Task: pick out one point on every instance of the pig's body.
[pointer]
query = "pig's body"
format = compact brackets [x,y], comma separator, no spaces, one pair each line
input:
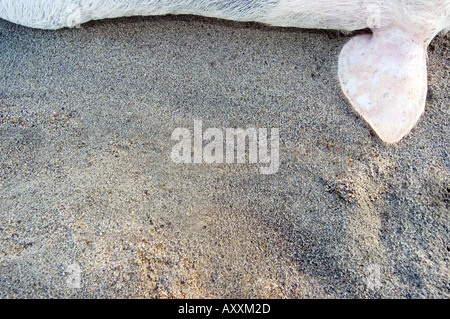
[383,76]
[49,14]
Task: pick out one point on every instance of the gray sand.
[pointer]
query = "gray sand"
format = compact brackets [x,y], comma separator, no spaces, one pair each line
[87,181]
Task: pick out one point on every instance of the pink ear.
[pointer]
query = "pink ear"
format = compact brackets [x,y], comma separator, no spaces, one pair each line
[384,77]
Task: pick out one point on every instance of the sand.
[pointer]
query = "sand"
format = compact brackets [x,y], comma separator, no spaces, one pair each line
[92,205]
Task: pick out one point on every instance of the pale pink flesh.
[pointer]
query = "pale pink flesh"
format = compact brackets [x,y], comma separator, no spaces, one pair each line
[384,77]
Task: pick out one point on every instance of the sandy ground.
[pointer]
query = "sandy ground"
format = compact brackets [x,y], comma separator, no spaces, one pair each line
[92,206]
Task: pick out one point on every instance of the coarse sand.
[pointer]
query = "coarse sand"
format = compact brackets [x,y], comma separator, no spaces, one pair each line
[92,205]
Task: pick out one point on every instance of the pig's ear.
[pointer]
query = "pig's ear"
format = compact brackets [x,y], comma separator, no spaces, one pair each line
[384,77]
